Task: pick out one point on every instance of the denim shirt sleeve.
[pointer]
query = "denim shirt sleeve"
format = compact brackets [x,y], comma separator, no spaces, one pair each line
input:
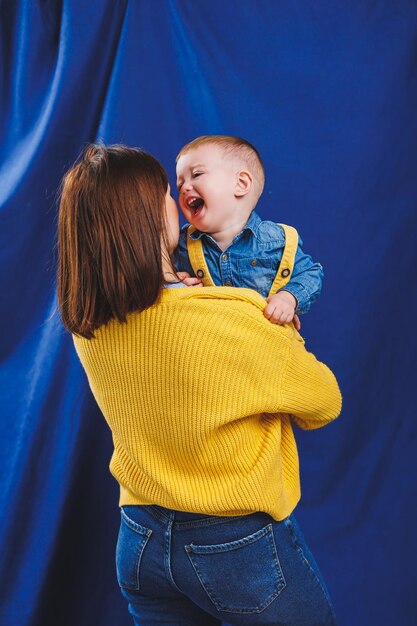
[306,280]
[181,259]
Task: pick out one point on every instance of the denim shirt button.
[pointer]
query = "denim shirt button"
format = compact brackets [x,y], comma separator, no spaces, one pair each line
[224,257]
[254,262]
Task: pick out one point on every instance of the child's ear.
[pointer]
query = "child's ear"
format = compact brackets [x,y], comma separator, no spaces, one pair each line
[244,183]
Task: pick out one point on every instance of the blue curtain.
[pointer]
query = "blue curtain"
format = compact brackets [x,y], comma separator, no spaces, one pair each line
[327,91]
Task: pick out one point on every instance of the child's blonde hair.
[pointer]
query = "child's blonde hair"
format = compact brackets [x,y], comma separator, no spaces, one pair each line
[235,147]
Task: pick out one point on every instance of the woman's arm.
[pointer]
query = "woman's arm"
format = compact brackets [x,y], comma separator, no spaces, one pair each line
[255,365]
[310,392]
[286,375]
[271,361]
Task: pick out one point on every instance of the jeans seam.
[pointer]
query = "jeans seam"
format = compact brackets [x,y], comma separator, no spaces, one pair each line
[168,537]
[294,539]
[317,579]
[146,534]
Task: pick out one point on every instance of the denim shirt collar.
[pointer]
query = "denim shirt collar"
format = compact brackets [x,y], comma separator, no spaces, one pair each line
[252,224]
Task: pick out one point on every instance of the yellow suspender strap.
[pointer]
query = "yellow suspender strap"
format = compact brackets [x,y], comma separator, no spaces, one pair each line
[286,265]
[199,265]
[197,259]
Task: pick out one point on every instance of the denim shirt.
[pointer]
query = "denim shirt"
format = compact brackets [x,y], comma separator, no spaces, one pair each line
[252,260]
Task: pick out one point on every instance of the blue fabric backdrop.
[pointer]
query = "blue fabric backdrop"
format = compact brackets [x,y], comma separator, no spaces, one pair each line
[327,91]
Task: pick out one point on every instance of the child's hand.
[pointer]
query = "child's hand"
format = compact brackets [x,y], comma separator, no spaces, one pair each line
[296,322]
[188,280]
[281,309]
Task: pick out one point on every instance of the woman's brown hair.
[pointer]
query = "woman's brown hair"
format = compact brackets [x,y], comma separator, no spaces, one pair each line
[111,226]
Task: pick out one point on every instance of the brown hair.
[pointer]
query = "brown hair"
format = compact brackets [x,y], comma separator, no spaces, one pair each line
[110,228]
[235,147]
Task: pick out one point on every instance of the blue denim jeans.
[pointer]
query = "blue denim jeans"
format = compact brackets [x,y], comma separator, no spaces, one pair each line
[185,569]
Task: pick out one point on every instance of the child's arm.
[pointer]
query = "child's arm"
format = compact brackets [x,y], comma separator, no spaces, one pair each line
[298,294]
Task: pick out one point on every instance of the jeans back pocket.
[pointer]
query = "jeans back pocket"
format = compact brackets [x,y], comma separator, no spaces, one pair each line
[131,543]
[242,576]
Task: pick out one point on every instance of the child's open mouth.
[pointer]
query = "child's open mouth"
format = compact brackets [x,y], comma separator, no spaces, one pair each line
[195,204]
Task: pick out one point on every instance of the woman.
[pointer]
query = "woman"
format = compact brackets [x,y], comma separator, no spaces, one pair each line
[200,392]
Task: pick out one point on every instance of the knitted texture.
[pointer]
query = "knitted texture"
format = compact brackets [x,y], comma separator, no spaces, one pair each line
[200,391]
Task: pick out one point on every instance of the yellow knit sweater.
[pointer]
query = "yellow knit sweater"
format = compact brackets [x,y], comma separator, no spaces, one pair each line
[200,391]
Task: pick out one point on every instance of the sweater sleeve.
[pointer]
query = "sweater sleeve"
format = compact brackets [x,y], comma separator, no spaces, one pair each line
[310,392]
[279,369]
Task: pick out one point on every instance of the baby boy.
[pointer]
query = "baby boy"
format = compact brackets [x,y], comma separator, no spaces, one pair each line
[220,179]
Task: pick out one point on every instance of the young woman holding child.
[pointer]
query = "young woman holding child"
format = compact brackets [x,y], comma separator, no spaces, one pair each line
[200,391]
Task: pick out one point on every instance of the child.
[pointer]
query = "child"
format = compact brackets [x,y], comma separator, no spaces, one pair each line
[220,179]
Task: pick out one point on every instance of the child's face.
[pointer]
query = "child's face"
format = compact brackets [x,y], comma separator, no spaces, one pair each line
[206,184]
